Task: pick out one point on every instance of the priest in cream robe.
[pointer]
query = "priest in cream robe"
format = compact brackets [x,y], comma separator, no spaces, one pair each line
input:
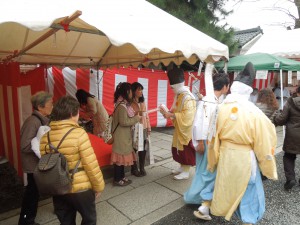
[182,114]
[243,145]
[201,189]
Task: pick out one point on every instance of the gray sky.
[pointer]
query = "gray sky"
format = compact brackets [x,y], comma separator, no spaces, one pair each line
[251,14]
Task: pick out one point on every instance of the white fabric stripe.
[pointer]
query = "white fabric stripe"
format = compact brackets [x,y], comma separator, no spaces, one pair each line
[99,85]
[161,99]
[25,107]
[119,78]
[93,83]
[3,121]
[264,83]
[235,74]
[195,87]
[50,80]
[11,113]
[209,87]
[70,81]
[270,76]
[144,82]
[257,83]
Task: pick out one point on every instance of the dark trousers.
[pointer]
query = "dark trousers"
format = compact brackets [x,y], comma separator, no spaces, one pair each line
[119,173]
[66,207]
[289,166]
[29,202]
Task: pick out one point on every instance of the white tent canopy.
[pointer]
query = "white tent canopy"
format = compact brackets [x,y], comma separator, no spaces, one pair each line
[283,43]
[102,32]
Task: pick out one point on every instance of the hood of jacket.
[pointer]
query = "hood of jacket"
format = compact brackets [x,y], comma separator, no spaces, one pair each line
[297,102]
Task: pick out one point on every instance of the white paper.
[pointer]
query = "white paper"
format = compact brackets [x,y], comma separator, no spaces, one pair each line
[290,75]
[138,137]
[298,75]
[152,110]
[261,74]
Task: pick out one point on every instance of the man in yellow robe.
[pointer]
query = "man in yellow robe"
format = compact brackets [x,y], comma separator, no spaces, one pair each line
[243,143]
[182,115]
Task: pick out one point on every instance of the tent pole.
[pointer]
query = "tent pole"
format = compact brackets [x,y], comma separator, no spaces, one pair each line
[98,83]
[66,21]
[281,99]
[281,90]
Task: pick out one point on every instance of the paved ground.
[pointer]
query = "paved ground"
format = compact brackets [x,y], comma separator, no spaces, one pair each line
[157,198]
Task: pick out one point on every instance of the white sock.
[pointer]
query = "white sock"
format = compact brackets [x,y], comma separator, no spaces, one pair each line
[204,210]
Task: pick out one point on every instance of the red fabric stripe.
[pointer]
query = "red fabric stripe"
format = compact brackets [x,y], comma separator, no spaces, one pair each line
[254,83]
[131,73]
[17,128]
[260,84]
[34,78]
[271,77]
[59,84]
[83,79]
[108,90]
[152,99]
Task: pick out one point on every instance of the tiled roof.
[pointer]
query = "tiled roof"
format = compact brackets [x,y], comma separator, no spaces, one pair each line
[244,36]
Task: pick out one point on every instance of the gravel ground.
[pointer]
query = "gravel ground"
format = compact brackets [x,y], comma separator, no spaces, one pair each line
[282,207]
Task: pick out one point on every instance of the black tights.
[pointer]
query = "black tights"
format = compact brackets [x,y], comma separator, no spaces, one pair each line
[119,173]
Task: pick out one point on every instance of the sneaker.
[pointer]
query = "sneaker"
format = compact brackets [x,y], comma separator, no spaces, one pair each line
[177,171]
[201,216]
[289,184]
[182,176]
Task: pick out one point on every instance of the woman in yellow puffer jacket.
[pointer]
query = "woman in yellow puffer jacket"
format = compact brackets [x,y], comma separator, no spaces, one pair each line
[88,181]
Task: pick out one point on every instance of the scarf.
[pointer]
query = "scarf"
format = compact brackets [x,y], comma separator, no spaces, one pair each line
[178,89]
[130,111]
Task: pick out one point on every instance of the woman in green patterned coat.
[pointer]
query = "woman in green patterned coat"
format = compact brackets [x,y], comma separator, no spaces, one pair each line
[124,118]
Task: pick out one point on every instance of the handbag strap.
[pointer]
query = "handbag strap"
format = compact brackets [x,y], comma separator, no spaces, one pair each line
[113,113]
[73,171]
[63,138]
[115,129]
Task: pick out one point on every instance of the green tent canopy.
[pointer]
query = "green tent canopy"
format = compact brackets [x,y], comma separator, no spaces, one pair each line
[261,61]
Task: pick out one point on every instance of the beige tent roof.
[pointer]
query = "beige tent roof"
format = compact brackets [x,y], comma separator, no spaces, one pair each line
[102,32]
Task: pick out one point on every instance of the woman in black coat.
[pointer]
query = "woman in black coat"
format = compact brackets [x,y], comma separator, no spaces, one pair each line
[290,117]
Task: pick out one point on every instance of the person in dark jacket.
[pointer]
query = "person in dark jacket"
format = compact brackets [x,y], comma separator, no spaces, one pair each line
[290,117]
[42,104]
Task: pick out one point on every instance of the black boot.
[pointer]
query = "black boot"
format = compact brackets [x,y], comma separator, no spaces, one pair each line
[142,156]
[134,170]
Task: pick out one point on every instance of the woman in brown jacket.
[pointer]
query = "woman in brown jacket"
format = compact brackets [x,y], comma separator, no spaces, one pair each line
[88,181]
[290,117]
[42,104]
[124,118]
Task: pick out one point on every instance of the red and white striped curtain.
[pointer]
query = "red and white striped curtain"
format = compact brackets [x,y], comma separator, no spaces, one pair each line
[264,83]
[15,92]
[103,83]
[261,83]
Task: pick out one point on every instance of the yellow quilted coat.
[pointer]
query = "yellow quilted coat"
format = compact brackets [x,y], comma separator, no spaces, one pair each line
[76,146]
